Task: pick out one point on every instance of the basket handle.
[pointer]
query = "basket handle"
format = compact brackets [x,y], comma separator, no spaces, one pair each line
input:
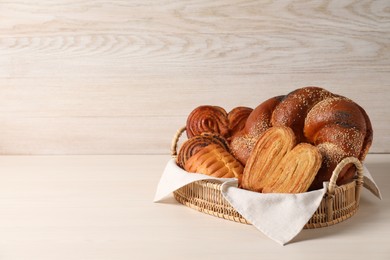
[175,140]
[339,167]
[332,184]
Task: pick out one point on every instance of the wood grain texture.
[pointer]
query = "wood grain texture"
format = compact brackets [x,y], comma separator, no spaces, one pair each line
[119,77]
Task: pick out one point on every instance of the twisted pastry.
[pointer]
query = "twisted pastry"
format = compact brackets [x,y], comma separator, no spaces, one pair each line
[215,161]
[196,143]
[212,119]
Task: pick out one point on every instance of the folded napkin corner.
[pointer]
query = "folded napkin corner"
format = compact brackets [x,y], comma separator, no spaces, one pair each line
[279,216]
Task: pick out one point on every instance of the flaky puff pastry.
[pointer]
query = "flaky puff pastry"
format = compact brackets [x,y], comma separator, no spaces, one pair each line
[296,171]
[265,157]
[214,161]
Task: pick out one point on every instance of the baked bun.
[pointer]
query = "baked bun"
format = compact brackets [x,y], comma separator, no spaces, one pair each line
[237,118]
[213,160]
[196,143]
[257,123]
[213,119]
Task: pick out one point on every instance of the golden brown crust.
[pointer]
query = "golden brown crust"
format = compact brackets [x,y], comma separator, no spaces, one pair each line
[318,116]
[196,143]
[369,135]
[337,113]
[213,119]
[296,171]
[214,161]
[338,127]
[266,155]
[332,155]
[237,118]
[257,123]
[292,110]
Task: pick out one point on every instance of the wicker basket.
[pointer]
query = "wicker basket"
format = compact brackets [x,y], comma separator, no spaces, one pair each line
[339,202]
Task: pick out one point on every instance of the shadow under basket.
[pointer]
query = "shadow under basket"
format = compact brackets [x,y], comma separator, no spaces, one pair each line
[338,204]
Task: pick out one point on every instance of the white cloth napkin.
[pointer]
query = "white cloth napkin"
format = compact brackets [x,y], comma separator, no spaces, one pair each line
[279,216]
[369,183]
[174,178]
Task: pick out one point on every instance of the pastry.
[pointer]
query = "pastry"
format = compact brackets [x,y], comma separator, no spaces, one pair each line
[268,152]
[296,171]
[194,144]
[213,119]
[237,118]
[215,161]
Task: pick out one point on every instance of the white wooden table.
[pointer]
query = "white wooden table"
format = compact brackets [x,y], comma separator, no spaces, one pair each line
[100,207]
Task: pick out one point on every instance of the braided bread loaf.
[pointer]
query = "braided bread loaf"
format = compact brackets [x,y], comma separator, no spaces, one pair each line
[335,124]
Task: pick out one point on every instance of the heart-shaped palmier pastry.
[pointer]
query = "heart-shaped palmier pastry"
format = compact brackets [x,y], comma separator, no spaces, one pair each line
[277,164]
[296,171]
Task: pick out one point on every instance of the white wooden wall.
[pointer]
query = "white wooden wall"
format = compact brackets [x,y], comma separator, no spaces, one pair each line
[120,76]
